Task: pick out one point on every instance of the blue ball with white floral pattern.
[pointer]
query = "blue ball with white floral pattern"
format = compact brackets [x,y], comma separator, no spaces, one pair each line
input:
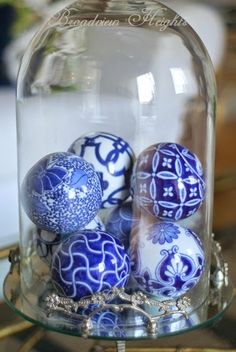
[61,193]
[113,159]
[89,262]
[168,181]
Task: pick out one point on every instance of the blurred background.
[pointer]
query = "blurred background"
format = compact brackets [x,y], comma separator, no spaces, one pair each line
[215,22]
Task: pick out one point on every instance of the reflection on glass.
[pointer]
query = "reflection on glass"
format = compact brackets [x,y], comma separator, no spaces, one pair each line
[179,80]
[146,88]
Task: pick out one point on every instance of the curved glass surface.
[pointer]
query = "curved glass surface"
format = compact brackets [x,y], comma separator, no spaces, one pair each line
[128,87]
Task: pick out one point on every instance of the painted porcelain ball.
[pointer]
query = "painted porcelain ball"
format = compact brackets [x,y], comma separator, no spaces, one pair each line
[168,181]
[168,260]
[48,242]
[113,159]
[89,262]
[61,193]
[106,323]
[120,223]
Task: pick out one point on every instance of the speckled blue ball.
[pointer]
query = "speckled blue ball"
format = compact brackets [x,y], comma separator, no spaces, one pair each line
[89,262]
[168,181]
[61,193]
[120,223]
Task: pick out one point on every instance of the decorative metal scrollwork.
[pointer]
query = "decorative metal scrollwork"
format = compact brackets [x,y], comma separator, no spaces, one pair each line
[118,301]
[14,258]
[220,273]
[104,301]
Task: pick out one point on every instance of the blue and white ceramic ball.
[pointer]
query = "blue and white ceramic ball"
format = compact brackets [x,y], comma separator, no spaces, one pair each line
[167,260]
[89,262]
[168,181]
[48,242]
[106,323]
[61,193]
[121,221]
[113,159]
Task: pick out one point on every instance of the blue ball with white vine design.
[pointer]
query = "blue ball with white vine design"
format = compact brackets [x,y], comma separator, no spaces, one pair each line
[167,260]
[112,158]
[89,262]
[168,182]
[61,193]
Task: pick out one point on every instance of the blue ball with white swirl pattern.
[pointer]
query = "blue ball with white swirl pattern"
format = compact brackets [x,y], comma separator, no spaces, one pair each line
[112,158]
[61,193]
[89,262]
[168,181]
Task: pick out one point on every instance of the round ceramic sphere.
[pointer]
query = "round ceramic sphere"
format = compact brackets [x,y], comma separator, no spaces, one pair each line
[120,223]
[107,323]
[61,193]
[168,260]
[168,181]
[48,242]
[113,159]
[89,262]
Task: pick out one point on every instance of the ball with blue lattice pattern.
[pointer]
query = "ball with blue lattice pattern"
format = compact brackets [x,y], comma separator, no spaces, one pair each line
[112,158]
[168,181]
[89,262]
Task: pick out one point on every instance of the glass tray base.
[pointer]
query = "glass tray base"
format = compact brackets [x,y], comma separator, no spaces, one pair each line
[127,325]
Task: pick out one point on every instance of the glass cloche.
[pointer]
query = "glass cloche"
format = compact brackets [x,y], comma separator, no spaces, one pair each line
[115,119]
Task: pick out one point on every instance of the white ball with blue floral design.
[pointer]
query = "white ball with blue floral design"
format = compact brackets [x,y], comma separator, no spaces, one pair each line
[167,260]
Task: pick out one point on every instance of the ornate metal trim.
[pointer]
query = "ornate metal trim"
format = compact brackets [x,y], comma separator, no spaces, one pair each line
[120,346]
[135,302]
[101,302]
[220,273]
[14,259]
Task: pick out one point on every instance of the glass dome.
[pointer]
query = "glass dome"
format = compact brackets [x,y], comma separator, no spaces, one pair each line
[115,120]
